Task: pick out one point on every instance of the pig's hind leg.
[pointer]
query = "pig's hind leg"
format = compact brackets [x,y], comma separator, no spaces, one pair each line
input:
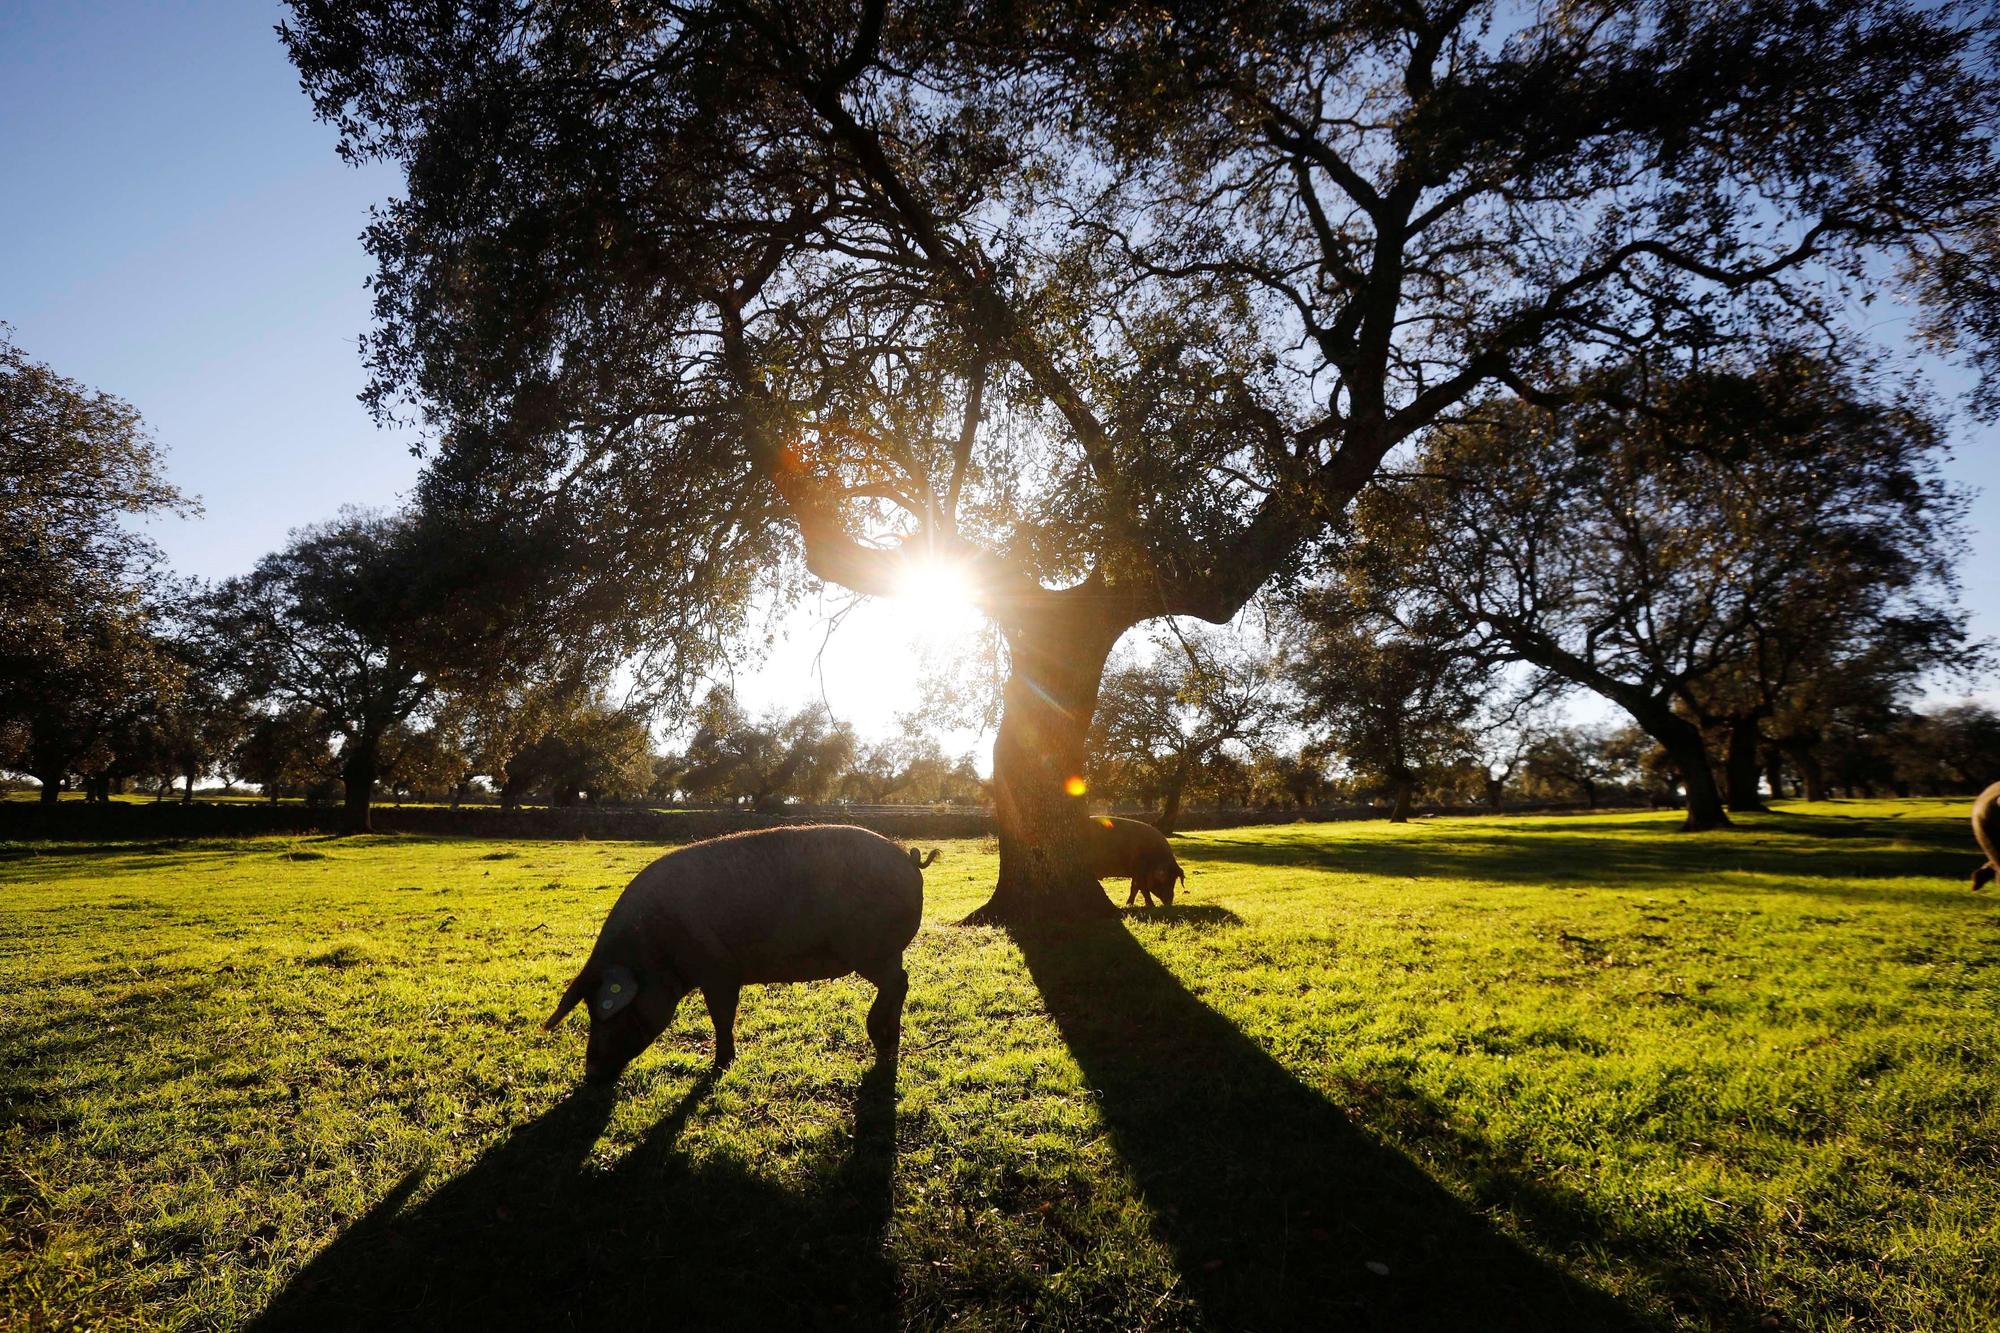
[885,1016]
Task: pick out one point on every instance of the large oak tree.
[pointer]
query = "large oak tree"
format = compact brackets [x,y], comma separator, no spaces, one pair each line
[83,593]
[1165,720]
[334,625]
[1396,700]
[1699,565]
[1117,306]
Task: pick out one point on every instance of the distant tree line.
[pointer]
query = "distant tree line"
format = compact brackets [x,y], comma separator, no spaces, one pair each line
[340,666]
[1760,580]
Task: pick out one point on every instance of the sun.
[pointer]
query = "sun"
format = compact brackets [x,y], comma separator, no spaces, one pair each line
[936,603]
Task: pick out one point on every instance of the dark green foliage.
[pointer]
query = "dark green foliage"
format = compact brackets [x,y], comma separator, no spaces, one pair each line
[1951,749]
[763,760]
[910,766]
[83,660]
[333,627]
[1396,701]
[1189,716]
[595,751]
[1770,534]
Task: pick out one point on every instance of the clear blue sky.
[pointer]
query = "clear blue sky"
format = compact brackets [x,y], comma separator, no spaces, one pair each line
[176,229]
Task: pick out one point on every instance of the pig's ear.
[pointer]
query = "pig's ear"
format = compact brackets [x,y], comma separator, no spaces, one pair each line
[615,989]
[577,990]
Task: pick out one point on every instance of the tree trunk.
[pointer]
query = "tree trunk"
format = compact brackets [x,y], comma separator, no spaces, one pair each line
[357,777]
[1682,741]
[1774,772]
[1589,794]
[1680,738]
[1805,759]
[1170,807]
[51,787]
[1742,767]
[1057,654]
[1494,787]
[1401,813]
[187,790]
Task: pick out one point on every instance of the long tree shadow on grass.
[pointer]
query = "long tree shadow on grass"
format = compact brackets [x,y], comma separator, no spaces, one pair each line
[1817,855]
[532,1237]
[1280,1212]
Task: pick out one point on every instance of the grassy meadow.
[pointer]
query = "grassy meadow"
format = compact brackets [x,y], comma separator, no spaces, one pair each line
[1507,1073]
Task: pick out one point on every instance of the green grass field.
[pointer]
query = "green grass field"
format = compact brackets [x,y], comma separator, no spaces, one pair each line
[1582,1073]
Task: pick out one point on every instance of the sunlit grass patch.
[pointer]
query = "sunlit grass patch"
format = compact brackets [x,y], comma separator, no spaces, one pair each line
[1620,1074]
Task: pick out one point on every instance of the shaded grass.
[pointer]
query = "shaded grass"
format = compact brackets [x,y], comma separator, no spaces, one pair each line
[1479,1073]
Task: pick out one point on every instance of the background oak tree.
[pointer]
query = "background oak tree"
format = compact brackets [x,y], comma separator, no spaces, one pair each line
[1697,565]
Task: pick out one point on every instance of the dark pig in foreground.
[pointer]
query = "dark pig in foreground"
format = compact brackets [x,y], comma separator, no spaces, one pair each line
[1121,848]
[1986,828]
[783,904]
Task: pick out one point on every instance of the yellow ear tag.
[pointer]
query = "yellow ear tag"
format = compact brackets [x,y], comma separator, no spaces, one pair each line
[616,990]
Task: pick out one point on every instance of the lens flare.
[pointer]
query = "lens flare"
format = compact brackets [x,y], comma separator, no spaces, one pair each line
[1076,786]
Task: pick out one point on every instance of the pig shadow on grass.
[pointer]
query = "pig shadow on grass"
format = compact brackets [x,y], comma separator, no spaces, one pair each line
[531,1236]
[1280,1212]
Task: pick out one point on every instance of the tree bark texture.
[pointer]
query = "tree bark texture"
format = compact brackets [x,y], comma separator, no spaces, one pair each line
[1774,771]
[1805,758]
[1742,766]
[1057,658]
[357,777]
[1684,746]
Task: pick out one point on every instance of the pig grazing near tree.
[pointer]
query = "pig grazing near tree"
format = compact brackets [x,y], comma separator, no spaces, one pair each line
[783,904]
[1986,828]
[1127,847]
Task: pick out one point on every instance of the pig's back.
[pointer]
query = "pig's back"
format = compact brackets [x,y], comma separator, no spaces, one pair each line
[815,895]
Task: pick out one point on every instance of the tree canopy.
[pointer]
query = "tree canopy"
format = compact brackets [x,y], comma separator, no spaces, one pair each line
[1698,565]
[83,594]
[767,760]
[1396,700]
[1165,720]
[1117,307]
[333,624]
